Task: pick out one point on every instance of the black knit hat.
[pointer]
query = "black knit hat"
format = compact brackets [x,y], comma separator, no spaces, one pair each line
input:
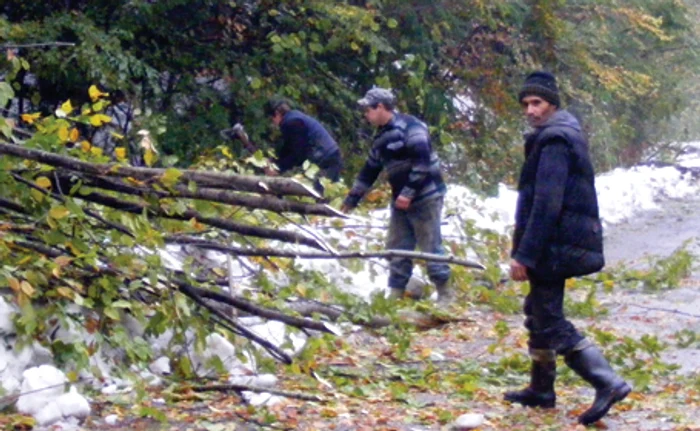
[542,84]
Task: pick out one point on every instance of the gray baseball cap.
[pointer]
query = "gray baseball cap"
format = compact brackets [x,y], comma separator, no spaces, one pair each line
[377,95]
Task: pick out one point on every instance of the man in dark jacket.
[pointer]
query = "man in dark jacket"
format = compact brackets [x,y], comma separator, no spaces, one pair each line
[402,147]
[303,138]
[558,235]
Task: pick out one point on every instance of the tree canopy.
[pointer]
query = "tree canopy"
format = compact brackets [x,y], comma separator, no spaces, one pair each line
[185,70]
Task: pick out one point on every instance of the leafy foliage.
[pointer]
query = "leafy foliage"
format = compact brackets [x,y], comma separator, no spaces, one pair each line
[187,69]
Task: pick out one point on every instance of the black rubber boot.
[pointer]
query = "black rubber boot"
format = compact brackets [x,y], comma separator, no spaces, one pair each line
[588,362]
[540,392]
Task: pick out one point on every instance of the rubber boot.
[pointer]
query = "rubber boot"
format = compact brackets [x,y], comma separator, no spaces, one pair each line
[540,393]
[588,362]
[446,295]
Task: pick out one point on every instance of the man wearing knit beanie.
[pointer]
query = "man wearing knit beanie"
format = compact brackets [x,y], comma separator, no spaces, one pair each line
[558,235]
[542,84]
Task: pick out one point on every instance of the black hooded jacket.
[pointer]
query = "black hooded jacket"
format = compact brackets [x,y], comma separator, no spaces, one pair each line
[557,225]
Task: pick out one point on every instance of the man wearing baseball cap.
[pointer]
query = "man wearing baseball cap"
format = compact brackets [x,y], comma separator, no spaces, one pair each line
[402,147]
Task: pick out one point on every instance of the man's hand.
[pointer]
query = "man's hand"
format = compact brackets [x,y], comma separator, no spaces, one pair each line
[518,271]
[402,203]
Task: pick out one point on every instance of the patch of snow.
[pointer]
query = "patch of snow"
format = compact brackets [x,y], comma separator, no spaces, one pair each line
[43,396]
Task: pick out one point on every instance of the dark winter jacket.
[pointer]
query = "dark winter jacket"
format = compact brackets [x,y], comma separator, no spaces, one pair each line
[557,226]
[403,148]
[304,138]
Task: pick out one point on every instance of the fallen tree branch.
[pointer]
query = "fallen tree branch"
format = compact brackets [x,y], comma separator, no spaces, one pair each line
[387,254]
[248,183]
[664,310]
[270,203]
[61,199]
[193,293]
[35,45]
[412,317]
[257,310]
[228,225]
[258,389]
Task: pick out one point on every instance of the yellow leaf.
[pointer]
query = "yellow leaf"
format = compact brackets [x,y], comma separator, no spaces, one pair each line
[63,133]
[73,249]
[43,182]
[196,225]
[30,118]
[96,151]
[116,135]
[149,157]
[134,181]
[227,152]
[99,119]
[301,290]
[58,212]
[120,152]
[63,260]
[14,284]
[72,376]
[26,288]
[85,146]
[95,93]
[56,272]
[74,135]
[67,108]
[425,353]
[65,292]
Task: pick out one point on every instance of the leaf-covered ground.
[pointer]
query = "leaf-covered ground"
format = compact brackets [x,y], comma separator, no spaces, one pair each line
[380,383]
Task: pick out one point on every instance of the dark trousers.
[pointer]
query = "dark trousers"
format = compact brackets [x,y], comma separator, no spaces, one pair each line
[330,168]
[544,316]
[419,226]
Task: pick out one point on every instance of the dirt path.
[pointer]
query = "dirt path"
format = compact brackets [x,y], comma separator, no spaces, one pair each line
[664,313]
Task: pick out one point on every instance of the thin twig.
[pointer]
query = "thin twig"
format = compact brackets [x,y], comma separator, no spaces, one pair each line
[258,389]
[35,45]
[387,254]
[665,310]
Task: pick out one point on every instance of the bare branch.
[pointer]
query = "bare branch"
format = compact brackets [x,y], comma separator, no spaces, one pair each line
[270,203]
[240,388]
[387,254]
[35,45]
[248,183]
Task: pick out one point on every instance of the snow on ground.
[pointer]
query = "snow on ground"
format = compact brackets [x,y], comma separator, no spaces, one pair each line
[690,157]
[622,194]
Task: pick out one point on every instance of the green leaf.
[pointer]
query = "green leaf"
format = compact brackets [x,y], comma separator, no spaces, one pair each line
[6,93]
[171,177]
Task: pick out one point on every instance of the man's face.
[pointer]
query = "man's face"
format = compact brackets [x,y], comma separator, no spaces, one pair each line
[277,118]
[537,110]
[377,115]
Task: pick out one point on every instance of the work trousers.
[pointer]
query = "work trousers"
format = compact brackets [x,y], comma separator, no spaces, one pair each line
[419,225]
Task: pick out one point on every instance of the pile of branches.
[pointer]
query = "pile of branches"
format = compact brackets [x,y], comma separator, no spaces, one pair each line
[89,191]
